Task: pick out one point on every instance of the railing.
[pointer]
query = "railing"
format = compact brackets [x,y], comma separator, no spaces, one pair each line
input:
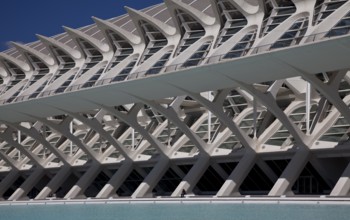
[171,68]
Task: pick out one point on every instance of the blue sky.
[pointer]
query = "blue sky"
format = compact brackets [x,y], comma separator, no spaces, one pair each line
[20,20]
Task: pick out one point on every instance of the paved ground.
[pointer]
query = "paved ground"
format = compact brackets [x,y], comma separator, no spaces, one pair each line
[234,200]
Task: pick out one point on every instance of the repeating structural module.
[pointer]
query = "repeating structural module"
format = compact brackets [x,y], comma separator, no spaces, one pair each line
[214,97]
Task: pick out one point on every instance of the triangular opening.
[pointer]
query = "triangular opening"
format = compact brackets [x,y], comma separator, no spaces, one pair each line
[310,182]
[256,183]
[99,182]
[167,184]
[209,183]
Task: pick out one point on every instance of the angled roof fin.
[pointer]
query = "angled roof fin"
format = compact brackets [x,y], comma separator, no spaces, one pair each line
[106,25]
[20,64]
[200,16]
[136,16]
[76,34]
[70,51]
[48,60]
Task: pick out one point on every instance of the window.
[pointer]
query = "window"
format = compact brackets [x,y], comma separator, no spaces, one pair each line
[276,12]
[294,34]
[242,47]
[121,47]
[341,28]
[125,72]
[233,21]
[191,30]
[325,8]
[155,40]
[198,56]
[16,75]
[159,65]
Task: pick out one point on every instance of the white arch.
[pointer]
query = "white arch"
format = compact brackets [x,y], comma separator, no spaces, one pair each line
[136,16]
[76,34]
[75,54]
[47,60]
[128,36]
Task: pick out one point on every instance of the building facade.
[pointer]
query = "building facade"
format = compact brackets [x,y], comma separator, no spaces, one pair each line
[214,97]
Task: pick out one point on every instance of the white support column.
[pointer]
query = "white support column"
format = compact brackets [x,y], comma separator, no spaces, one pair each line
[71,142]
[131,120]
[169,133]
[193,176]
[116,181]
[209,119]
[84,182]
[27,185]
[308,106]
[151,180]
[216,108]
[342,187]
[64,129]
[96,126]
[7,136]
[234,181]
[7,182]
[329,90]
[133,138]
[255,112]
[285,182]
[34,133]
[55,182]
[19,142]
[269,101]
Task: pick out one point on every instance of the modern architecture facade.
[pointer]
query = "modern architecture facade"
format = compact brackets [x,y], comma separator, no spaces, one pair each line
[214,97]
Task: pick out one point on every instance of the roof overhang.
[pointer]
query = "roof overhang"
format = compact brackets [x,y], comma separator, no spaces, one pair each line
[327,55]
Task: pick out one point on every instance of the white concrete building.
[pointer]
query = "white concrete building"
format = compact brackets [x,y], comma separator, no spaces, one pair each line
[217,97]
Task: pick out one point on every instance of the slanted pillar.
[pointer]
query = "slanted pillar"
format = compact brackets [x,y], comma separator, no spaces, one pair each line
[116,181]
[343,185]
[10,178]
[285,182]
[328,169]
[193,176]
[55,183]
[151,180]
[234,181]
[28,184]
[84,182]
[267,170]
